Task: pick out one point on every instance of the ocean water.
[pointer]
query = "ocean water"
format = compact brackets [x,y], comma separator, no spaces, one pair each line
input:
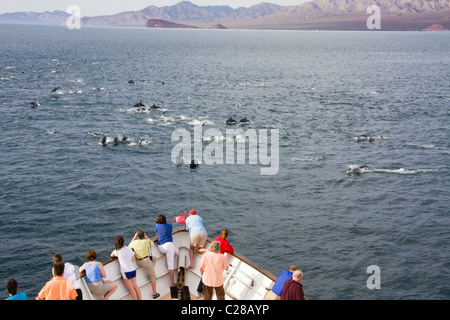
[62,191]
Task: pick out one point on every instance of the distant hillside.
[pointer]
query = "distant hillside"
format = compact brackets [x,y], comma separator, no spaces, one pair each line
[352,15]
[218,27]
[435,27]
[316,14]
[35,18]
[182,12]
[158,23]
[337,7]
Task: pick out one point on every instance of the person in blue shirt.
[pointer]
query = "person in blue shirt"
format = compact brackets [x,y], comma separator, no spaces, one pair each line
[197,235]
[165,244]
[96,276]
[11,287]
[277,288]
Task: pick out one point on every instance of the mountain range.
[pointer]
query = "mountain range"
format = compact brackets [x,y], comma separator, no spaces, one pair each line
[312,15]
[182,12]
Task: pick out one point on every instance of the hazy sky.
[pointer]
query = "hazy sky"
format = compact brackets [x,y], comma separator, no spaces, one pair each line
[105,7]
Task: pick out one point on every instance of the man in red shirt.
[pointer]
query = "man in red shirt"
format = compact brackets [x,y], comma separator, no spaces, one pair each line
[293,289]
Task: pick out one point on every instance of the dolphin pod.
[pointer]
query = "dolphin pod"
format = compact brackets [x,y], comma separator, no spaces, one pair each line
[231,121]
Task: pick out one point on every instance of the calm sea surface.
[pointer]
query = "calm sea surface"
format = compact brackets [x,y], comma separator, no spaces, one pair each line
[61,191]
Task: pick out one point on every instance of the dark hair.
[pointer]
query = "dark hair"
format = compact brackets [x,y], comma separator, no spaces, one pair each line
[119,242]
[161,219]
[140,234]
[59,268]
[57,257]
[11,286]
[91,255]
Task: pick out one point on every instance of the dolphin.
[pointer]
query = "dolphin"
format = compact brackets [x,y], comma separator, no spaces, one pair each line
[245,120]
[154,106]
[231,121]
[194,164]
[139,105]
[34,104]
[356,169]
[55,89]
[103,142]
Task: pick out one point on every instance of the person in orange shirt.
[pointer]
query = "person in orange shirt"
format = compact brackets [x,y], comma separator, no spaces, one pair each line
[212,265]
[58,288]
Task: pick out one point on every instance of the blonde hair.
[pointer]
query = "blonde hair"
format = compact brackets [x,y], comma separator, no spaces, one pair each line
[297,275]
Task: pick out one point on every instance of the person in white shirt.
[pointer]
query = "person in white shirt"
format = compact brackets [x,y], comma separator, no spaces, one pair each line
[127,268]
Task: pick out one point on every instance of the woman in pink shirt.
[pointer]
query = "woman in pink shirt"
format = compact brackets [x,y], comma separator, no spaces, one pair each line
[212,265]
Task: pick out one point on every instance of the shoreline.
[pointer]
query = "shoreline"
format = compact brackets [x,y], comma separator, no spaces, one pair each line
[231,29]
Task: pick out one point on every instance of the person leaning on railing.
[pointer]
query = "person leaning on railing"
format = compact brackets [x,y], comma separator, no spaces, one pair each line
[141,245]
[95,276]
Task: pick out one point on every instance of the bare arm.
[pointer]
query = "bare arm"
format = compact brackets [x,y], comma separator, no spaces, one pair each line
[102,270]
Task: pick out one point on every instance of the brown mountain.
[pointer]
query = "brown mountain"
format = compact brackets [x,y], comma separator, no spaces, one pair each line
[337,7]
[218,27]
[435,27]
[182,12]
[352,15]
[158,23]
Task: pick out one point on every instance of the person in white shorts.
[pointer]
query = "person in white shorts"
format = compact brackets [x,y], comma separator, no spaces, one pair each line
[165,244]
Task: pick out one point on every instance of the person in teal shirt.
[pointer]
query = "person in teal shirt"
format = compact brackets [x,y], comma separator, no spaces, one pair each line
[11,287]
